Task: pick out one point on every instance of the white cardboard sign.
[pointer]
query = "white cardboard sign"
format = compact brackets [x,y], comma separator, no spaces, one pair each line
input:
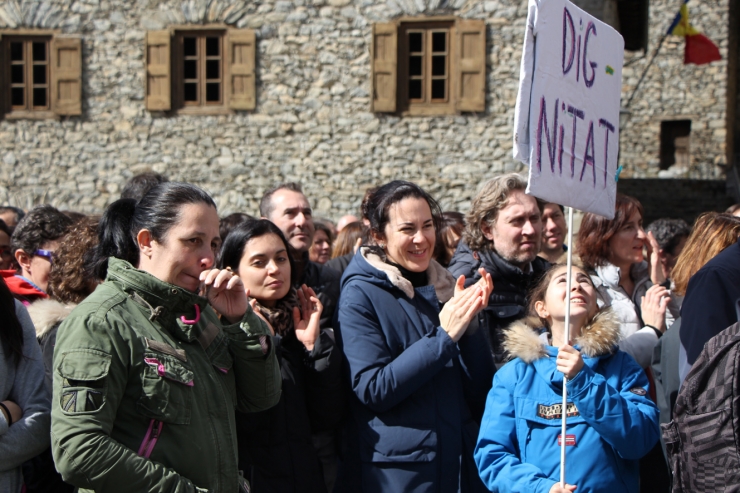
[566,124]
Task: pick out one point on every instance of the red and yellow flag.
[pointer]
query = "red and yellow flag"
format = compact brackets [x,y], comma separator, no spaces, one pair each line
[699,49]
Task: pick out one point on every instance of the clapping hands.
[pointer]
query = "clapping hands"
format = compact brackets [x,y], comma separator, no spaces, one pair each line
[465,304]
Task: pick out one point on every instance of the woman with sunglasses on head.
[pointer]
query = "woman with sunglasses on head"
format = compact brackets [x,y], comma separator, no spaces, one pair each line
[611,422]
[416,373]
[146,375]
[276,451]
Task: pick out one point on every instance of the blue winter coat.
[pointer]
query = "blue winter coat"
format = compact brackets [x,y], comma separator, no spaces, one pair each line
[410,428]
[611,421]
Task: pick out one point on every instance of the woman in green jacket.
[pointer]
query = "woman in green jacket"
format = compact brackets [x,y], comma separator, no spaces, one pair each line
[146,376]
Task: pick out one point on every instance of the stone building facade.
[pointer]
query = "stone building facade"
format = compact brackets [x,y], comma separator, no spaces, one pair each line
[313,121]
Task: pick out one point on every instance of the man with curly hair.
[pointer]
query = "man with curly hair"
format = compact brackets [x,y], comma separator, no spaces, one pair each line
[503,235]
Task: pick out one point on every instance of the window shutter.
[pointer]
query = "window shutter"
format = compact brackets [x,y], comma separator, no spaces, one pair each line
[4,82]
[66,75]
[157,59]
[471,65]
[240,58]
[384,55]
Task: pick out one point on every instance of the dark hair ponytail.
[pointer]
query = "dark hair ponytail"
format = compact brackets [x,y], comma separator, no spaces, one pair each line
[156,212]
[11,333]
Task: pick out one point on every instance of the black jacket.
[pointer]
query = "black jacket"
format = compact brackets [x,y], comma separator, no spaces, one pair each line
[709,305]
[325,282]
[508,301]
[275,448]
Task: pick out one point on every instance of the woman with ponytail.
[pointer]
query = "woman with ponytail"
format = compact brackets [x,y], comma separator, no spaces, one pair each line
[24,401]
[146,375]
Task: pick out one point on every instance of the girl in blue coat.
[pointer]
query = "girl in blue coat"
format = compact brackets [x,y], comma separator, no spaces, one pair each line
[415,371]
[611,420]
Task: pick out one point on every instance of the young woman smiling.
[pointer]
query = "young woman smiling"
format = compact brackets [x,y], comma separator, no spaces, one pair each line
[414,370]
[275,446]
[611,421]
[146,376]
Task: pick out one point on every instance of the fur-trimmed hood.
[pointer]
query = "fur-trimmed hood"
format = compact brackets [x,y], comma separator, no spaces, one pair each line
[438,276]
[599,337]
[47,313]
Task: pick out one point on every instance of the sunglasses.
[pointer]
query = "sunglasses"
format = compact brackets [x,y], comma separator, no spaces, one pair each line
[47,254]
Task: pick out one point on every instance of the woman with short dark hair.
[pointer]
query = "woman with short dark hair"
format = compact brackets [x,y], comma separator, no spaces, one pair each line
[417,374]
[146,375]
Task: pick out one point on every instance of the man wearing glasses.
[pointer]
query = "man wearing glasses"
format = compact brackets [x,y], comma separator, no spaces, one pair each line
[33,243]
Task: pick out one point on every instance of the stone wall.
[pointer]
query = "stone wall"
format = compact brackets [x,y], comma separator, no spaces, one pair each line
[312,122]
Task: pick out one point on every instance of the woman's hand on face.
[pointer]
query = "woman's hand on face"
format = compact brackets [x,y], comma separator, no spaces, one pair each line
[225,292]
[306,317]
[653,306]
[15,411]
[556,488]
[256,309]
[569,361]
[464,305]
[657,274]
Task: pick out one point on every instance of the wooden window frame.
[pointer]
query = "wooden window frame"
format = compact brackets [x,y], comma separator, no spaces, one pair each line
[27,111]
[426,105]
[202,107]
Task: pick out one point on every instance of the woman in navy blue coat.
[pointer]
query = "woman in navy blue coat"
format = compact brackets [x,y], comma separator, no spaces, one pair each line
[417,377]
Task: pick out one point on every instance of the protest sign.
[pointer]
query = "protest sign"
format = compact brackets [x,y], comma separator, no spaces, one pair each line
[567,114]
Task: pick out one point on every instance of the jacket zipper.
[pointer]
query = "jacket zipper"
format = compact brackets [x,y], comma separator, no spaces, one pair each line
[150,439]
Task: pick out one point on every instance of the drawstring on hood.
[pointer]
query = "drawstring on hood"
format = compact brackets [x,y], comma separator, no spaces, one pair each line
[197,316]
[155,312]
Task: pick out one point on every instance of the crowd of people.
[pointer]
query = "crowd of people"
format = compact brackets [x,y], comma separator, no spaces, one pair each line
[160,347]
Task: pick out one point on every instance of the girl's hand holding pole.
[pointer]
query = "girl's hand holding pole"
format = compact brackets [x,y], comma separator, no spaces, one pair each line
[569,362]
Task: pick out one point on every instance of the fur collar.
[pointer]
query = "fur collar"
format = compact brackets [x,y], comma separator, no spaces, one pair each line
[47,313]
[438,276]
[597,338]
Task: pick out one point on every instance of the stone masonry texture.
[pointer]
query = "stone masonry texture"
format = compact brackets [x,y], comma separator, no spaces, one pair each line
[313,122]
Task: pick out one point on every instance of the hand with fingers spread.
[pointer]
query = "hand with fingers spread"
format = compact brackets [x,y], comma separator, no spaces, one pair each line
[569,361]
[653,306]
[306,317]
[225,292]
[655,257]
[464,305]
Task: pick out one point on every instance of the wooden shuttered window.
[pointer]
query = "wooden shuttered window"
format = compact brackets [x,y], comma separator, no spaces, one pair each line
[66,75]
[158,68]
[240,61]
[429,66]
[384,55]
[471,65]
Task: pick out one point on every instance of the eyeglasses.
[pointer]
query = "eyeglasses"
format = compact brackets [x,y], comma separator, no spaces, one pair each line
[47,254]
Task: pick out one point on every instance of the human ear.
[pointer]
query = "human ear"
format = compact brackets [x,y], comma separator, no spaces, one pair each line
[487,229]
[144,240]
[379,239]
[23,259]
[539,307]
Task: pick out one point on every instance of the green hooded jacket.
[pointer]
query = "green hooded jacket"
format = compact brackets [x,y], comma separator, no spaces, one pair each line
[145,387]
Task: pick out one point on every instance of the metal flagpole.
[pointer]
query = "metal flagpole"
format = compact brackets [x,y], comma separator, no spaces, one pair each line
[563,410]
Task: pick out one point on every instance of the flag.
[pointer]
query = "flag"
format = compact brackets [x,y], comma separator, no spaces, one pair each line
[699,49]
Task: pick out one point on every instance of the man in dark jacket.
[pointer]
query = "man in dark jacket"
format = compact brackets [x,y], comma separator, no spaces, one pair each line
[709,305]
[287,207]
[502,234]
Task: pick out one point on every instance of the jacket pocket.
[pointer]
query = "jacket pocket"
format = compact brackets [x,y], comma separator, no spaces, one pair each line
[166,384]
[84,375]
[223,362]
[383,443]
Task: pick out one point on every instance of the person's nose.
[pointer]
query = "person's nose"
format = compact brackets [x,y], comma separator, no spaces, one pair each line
[528,228]
[300,220]
[272,267]
[208,259]
[641,234]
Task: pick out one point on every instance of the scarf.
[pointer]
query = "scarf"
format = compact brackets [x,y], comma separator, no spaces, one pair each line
[280,316]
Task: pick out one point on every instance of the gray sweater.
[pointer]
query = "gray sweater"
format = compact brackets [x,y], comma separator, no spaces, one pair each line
[23,385]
